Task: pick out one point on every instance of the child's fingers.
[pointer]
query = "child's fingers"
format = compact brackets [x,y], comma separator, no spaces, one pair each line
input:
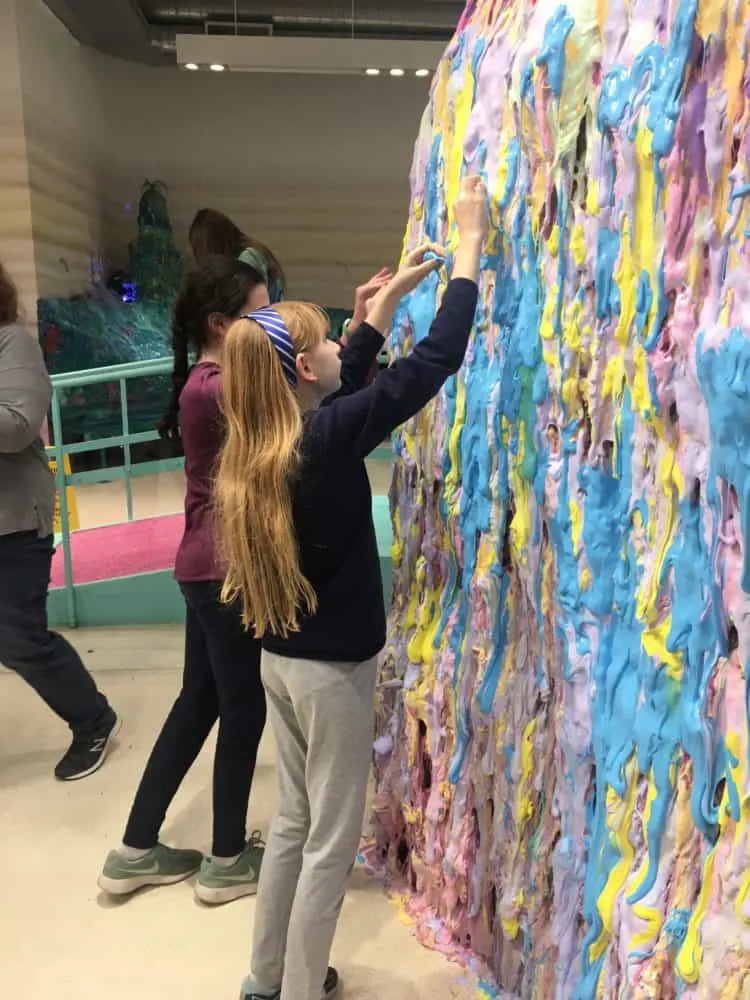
[417,256]
[427,267]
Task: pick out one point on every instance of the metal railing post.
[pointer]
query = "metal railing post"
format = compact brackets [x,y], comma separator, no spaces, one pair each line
[128,465]
[62,492]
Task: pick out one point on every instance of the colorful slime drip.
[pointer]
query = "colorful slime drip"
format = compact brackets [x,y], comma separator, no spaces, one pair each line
[562,753]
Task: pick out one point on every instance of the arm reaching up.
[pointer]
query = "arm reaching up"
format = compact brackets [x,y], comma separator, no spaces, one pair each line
[473,221]
[359,422]
[360,344]
[380,296]
[364,294]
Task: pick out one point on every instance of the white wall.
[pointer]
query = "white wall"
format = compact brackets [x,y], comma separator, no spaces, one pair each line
[316,167]
[65,133]
[16,238]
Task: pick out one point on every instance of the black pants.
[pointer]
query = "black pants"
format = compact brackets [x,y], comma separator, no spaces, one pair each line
[221,680]
[42,658]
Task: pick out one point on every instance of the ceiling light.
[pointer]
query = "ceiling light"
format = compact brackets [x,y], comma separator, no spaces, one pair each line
[422,72]
[330,56]
[372,71]
[397,72]
[191,65]
[217,67]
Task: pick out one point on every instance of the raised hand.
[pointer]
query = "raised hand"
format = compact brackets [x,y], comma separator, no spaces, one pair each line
[364,294]
[472,210]
[416,266]
[473,221]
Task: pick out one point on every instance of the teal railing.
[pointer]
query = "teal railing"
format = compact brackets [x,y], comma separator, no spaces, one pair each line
[120,375]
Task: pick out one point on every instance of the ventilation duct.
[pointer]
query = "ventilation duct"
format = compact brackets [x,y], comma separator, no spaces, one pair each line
[119,28]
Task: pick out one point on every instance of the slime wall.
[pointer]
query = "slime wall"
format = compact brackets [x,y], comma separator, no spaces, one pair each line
[562,751]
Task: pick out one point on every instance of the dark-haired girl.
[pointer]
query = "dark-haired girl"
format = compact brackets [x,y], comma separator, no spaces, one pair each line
[213,234]
[222,660]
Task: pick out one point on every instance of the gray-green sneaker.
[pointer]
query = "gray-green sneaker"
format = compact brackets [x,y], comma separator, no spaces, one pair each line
[221,884]
[161,866]
[251,990]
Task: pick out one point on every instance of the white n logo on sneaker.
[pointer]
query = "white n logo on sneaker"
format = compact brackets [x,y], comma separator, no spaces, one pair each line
[249,876]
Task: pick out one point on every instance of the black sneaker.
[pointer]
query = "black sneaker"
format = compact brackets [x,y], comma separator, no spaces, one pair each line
[87,755]
[250,990]
[331,985]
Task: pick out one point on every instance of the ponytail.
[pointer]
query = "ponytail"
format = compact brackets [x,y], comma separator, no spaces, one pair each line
[170,425]
[214,234]
[258,465]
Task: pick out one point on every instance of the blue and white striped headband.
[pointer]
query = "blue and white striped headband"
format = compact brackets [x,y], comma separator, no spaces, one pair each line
[280,337]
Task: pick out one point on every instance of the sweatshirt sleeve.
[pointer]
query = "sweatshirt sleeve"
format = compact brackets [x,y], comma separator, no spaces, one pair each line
[357,359]
[201,398]
[25,390]
[360,422]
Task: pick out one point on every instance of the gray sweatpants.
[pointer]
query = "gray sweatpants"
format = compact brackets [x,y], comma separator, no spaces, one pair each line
[322,718]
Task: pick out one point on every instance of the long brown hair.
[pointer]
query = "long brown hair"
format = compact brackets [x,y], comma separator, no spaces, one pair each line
[8,299]
[213,234]
[259,460]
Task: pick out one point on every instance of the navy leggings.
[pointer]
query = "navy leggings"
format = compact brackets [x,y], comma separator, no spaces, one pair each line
[221,680]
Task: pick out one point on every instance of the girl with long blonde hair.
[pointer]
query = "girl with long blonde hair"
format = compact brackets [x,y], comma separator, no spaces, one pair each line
[295,515]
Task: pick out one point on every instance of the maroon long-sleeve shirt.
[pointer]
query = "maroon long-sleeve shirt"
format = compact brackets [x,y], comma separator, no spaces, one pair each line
[202,431]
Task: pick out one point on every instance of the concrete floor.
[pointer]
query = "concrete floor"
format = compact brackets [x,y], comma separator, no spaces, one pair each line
[61,939]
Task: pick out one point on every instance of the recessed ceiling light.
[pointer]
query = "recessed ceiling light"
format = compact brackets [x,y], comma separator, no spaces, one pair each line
[372,71]
[191,65]
[422,72]
[217,67]
[397,72]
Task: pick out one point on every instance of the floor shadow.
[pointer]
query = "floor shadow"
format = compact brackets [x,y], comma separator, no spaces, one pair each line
[105,901]
[360,982]
[363,881]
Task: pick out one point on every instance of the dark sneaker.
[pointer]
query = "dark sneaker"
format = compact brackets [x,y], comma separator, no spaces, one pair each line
[250,990]
[331,985]
[161,866]
[221,884]
[85,756]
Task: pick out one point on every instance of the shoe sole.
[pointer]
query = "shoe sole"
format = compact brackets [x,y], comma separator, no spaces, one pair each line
[105,753]
[127,886]
[217,897]
[323,996]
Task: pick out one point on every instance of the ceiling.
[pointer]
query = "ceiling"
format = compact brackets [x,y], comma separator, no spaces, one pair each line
[145,30]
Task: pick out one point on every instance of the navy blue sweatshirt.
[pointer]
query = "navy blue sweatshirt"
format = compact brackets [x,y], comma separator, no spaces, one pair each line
[331,499]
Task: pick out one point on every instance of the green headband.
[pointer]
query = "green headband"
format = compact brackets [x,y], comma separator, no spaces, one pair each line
[255,259]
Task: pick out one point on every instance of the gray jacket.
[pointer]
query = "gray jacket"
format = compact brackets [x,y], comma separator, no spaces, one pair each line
[27,489]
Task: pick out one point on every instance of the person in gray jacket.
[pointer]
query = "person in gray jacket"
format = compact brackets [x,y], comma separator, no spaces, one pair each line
[44,659]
